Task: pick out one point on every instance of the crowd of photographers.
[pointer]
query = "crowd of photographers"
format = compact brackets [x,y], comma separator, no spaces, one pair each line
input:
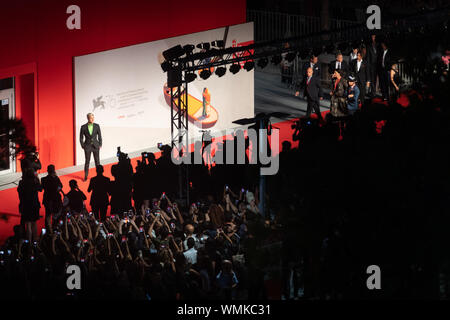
[156,250]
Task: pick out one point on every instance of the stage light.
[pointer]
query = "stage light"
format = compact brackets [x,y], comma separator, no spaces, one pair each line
[174,77]
[204,45]
[235,67]
[165,66]
[218,43]
[291,56]
[188,48]
[249,65]
[205,74]
[220,71]
[189,77]
[262,63]
[173,53]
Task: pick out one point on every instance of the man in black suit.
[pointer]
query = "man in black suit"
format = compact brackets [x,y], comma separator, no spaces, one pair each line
[99,185]
[312,92]
[384,66]
[91,141]
[338,64]
[314,64]
[360,68]
[372,59]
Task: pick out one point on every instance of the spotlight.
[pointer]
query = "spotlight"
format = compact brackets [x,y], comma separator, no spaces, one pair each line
[165,66]
[276,59]
[249,65]
[291,56]
[189,77]
[188,48]
[218,43]
[235,67]
[204,45]
[262,63]
[173,53]
[220,71]
[205,74]
[174,78]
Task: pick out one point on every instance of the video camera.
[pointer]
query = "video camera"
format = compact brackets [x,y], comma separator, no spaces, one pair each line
[121,155]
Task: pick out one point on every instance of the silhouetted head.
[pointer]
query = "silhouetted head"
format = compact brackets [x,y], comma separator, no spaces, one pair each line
[286,145]
[227,266]
[190,242]
[51,169]
[73,184]
[99,169]
[28,174]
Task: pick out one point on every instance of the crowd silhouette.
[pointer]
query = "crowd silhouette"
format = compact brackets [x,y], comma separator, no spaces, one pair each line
[374,192]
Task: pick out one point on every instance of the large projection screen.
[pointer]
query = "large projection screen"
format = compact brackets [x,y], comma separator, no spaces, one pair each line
[124,88]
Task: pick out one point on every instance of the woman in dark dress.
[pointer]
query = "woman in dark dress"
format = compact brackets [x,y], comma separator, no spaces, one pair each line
[52,196]
[29,204]
[394,83]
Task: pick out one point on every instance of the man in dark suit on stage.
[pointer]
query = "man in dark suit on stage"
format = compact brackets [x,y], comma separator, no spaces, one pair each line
[314,64]
[360,69]
[312,92]
[384,66]
[373,51]
[338,64]
[91,142]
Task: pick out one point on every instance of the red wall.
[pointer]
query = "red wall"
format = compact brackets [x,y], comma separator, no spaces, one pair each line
[36,39]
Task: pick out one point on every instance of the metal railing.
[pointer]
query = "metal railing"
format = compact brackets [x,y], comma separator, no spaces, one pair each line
[275,25]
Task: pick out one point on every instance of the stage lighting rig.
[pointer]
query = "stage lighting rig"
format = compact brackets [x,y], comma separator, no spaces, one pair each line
[249,65]
[218,44]
[205,74]
[189,77]
[220,71]
[204,45]
[165,66]
[188,48]
[235,67]
[173,53]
